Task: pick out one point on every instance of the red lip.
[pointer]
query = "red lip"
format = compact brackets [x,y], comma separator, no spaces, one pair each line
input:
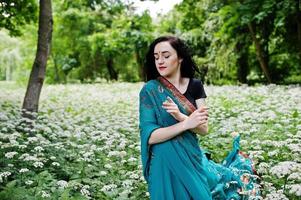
[162,67]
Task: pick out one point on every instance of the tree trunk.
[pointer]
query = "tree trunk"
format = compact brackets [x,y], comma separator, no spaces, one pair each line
[242,62]
[37,75]
[298,14]
[56,70]
[8,72]
[112,72]
[140,66]
[260,53]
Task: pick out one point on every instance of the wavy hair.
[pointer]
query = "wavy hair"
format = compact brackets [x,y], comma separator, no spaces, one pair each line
[188,66]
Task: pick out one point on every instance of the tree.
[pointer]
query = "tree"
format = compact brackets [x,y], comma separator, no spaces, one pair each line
[37,75]
[10,55]
[244,40]
[104,39]
[15,13]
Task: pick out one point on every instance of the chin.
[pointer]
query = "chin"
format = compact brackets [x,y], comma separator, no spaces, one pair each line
[163,74]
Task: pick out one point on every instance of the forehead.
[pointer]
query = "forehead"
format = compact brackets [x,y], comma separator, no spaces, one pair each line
[163,47]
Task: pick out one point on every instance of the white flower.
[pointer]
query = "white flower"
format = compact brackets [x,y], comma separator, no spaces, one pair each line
[52,157]
[132,159]
[276,195]
[123,153]
[55,164]
[27,157]
[134,176]
[84,191]
[294,176]
[29,182]
[108,187]
[295,147]
[124,194]
[5,174]
[103,173]
[10,154]
[38,164]
[273,153]
[284,168]
[295,189]
[32,139]
[22,146]
[108,166]
[23,170]
[45,194]
[263,168]
[3,117]
[39,149]
[127,183]
[62,184]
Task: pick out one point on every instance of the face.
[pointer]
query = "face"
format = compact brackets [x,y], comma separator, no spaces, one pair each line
[166,59]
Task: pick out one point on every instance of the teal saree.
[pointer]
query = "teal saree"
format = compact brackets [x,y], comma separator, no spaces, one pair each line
[178,168]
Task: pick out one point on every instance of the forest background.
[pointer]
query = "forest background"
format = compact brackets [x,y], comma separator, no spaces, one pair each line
[249,41]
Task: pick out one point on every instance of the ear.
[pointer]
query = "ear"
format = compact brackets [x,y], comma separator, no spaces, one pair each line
[180,60]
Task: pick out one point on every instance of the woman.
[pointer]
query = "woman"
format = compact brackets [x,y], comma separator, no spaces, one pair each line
[172,111]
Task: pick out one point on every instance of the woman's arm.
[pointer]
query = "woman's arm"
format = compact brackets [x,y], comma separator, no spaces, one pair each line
[203,128]
[195,120]
[162,134]
[173,109]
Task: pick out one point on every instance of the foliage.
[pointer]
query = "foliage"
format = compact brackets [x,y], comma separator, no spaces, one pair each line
[10,56]
[15,13]
[106,40]
[232,41]
[218,33]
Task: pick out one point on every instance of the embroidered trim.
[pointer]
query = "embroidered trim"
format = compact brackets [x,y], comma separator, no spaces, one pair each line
[188,106]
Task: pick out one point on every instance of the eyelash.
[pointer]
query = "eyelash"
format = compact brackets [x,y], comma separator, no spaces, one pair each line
[164,57]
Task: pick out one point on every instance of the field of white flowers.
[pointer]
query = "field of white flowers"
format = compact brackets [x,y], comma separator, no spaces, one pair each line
[85,142]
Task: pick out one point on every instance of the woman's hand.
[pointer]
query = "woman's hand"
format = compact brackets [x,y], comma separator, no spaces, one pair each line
[197,118]
[172,108]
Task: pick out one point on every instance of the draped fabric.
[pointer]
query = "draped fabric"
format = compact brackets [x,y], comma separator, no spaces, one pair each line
[178,168]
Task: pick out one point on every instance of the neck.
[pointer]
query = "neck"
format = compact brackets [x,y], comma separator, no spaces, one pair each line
[176,80]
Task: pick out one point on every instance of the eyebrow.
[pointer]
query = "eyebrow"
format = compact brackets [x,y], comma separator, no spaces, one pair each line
[162,52]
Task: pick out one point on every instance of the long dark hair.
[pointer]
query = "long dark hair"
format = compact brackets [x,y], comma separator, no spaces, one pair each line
[188,66]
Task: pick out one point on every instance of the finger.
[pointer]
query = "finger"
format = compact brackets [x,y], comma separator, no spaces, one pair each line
[169,104]
[201,114]
[170,107]
[171,111]
[202,118]
[203,108]
[169,99]
[202,122]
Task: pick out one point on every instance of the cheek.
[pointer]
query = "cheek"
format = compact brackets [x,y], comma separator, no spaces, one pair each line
[174,62]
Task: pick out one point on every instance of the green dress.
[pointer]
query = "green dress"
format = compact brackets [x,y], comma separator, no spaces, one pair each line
[178,168]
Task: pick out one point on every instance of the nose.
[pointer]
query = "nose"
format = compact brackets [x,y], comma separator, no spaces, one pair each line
[160,60]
